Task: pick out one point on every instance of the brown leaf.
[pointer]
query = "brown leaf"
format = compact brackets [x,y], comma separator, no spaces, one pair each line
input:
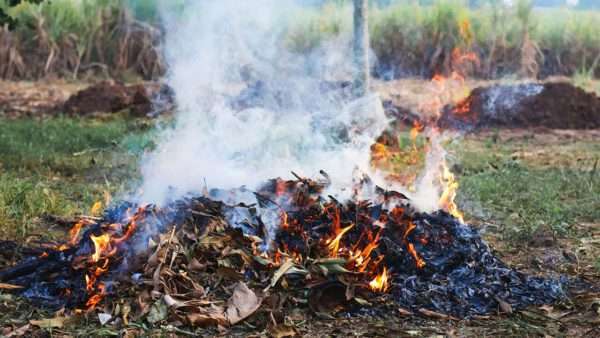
[156,277]
[56,322]
[20,332]
[282,331]
[195,265]
[504,306]
[229,273]
[283,268]
[404,312]
[328,297]
[434,314]
[172,302]
[242,303]
[207,317]
[10,286]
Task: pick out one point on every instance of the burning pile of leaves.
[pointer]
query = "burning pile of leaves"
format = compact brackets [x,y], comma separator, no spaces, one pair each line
[203,261]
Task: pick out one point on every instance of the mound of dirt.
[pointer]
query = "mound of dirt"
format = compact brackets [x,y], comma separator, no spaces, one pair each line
[551,105]
[112,97]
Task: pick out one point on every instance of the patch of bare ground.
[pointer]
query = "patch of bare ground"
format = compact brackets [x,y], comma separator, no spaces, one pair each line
[34,99]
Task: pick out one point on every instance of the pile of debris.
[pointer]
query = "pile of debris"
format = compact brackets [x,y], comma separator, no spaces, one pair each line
[204,260]
[552,105]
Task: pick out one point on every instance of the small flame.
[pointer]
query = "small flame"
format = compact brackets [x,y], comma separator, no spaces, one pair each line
[96,208]
[101,244]
[411,248]
[450,185]
[96,298]
[334,244]
[463,107]
[74,232]
[380,282]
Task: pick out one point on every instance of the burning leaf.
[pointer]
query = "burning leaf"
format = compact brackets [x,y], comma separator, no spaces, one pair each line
[242,303]
[49,323]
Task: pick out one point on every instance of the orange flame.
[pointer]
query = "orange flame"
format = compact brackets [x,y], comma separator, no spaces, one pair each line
[96,298]
[334,244]
[380,282]
[74,232]
[101,244]
[450,185]
[411,248]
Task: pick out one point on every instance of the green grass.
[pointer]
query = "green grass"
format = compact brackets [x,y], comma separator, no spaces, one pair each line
[62,166]
[523,194]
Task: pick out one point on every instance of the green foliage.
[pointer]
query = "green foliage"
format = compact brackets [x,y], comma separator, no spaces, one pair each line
[406,34]
[411,36]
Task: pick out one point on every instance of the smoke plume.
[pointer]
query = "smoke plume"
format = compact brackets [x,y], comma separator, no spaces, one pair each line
[249,109]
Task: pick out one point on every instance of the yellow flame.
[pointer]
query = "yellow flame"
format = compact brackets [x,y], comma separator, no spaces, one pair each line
[450,185]
[380,282]
[100,245]
[96,208]
[334,244]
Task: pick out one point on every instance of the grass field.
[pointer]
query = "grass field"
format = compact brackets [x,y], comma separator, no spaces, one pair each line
[62,166]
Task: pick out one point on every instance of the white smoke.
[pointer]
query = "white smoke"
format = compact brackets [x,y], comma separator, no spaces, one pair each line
[219,51]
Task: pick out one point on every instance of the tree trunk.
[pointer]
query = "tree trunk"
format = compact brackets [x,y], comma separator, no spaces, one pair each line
[361,48]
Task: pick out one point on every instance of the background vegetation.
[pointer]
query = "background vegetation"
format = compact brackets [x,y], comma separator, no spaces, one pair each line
[118,38]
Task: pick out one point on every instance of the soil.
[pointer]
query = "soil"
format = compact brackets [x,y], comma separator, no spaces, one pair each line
[112,97]
[34,99]
[552,105]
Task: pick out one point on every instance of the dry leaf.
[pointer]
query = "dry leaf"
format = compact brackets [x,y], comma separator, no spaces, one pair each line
[172,302]
[56,322]
[195,265]
[20,332]
[207,317]
[10,286]
[158,312]
[328,297]
[434,314]
[242,303]
[283,268]
[404,312]
[282,331]
[504,306]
